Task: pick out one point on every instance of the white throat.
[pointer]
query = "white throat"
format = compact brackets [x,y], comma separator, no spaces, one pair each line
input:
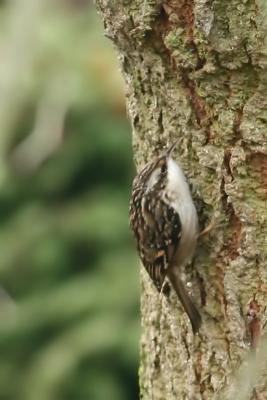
[176,183]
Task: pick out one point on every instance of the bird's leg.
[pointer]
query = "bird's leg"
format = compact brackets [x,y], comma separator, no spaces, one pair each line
[165,289]
[208,228]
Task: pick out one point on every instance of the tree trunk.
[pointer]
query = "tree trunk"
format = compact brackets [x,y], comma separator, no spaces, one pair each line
[195,71]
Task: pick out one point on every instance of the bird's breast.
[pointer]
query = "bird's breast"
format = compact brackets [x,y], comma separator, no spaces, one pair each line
[189,224]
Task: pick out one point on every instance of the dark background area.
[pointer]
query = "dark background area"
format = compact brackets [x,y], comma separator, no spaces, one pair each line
[69,290]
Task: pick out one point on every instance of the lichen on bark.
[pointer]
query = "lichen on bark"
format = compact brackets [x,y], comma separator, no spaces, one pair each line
[195,71]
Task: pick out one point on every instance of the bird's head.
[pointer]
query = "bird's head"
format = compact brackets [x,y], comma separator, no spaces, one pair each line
[155,173]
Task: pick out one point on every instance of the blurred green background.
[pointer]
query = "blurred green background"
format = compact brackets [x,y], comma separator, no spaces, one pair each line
[69,290]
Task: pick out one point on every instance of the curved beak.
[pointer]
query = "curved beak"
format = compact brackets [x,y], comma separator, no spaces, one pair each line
[171,148]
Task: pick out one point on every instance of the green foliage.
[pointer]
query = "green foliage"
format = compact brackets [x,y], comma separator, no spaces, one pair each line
[69,282]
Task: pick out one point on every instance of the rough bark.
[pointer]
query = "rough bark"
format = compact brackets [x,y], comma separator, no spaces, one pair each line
[195,71]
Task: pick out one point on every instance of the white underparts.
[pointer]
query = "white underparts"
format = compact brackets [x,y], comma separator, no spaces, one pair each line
[179,196]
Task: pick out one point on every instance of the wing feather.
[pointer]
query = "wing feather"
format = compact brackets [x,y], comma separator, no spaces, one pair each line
[160,233]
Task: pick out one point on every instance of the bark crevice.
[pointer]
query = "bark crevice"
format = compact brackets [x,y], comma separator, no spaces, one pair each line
[195,74]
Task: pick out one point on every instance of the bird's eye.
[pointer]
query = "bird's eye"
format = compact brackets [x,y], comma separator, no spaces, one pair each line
[163,168]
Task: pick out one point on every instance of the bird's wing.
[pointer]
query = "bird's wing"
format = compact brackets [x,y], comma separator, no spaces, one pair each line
[160,233]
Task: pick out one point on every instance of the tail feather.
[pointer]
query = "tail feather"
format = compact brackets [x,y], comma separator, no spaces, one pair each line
[186,301]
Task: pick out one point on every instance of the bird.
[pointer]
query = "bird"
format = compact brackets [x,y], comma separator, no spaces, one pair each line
[164,221]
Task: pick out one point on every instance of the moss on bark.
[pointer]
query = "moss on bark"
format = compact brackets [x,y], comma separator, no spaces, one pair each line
[195,72]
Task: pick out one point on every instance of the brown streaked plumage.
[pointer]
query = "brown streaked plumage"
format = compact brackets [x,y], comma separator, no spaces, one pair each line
[164,222]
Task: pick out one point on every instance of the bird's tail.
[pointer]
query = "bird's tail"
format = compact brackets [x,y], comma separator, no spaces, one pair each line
[186,301]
